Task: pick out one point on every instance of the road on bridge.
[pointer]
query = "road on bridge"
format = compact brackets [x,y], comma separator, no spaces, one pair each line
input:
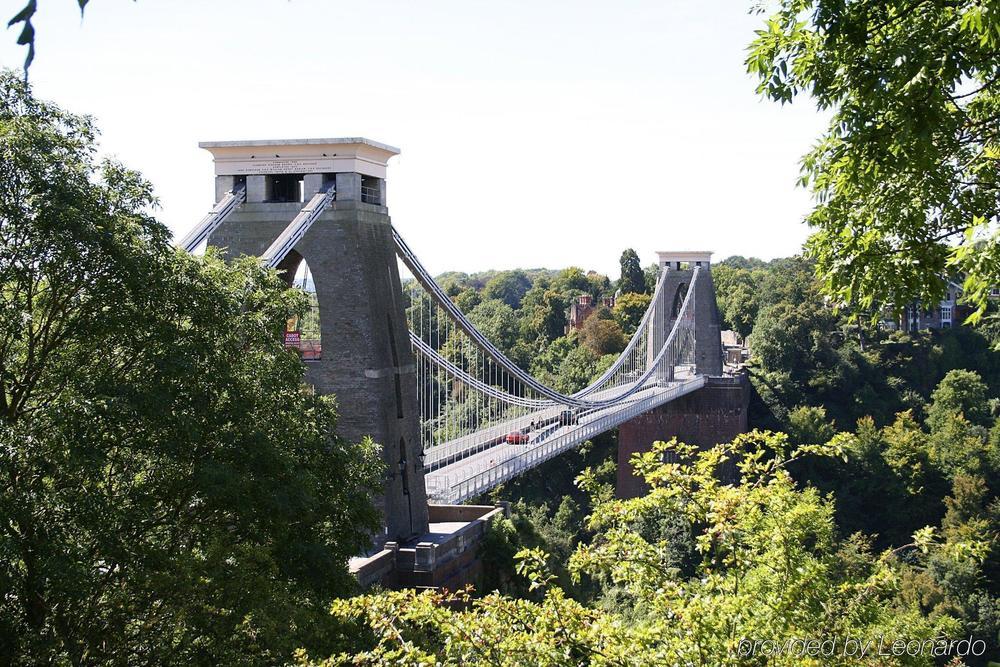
[481,470]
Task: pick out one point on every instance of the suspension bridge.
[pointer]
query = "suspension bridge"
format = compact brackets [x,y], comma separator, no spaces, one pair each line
[485,420]
[454,414]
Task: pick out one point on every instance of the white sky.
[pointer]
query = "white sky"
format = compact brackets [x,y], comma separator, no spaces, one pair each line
[537,133]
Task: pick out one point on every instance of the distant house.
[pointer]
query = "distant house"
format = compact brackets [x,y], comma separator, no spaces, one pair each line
[582,308]
[730,338]
[943,315]
[734,348]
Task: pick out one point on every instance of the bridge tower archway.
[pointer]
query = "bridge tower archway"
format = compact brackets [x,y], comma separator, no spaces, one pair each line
[678,300]
[304,331]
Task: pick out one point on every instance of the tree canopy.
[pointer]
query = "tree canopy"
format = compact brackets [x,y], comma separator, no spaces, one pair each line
[602,336]
[768,563]
[171,494]
[509,287]
[959,392]
[632,277]
[907,177]
[629,309]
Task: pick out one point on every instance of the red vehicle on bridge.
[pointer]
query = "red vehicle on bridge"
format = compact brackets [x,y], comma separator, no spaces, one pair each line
[517,438]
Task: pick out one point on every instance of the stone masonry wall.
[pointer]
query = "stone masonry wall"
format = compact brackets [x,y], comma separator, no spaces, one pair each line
[714,414]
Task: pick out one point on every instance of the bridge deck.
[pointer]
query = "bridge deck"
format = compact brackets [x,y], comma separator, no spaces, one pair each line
[479,471]
[465,446]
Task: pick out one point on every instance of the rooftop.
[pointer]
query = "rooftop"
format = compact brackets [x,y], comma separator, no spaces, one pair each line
[302,156]
[685,255]
[252,143]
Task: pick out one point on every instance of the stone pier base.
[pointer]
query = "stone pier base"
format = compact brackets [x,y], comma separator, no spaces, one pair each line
[714,414]
[445,557]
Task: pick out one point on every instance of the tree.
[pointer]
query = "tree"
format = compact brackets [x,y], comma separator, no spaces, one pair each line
[170,493]
[887,487]
[632,278]
[571,281]
[794,340]
[737,296]
[769,565]
[650,275]
[907,178]
[468,299]
[600,285]
[960,578]
[545,365]
[956,446]
[602,336]
[959,392]
[808,425]
[507,286]
[629,310]
[496,320]
[740,262]
[543,314]
[576,369]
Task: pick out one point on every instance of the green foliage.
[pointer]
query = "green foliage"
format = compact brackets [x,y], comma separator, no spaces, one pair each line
[496,553]
[536,528]
[958,447]
[495,319]
[468,299]
[571,281]
[543,314]
[533,524]
[960,579]
[737,294]
[743,288]
[170,492]
[769,564]
[897,476]
[960,392]
[545,365]
[650,275]
[887,487]
[600,285]
[796,343]
[803,352]
[507,286]
[906,178]
[740,262]
[602,336]
[904,447]
[808,425]
[629,309]
[632,279]
[576,370]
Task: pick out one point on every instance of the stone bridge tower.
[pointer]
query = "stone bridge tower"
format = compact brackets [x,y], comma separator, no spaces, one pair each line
[365,359]
[679,268]
[717,412]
